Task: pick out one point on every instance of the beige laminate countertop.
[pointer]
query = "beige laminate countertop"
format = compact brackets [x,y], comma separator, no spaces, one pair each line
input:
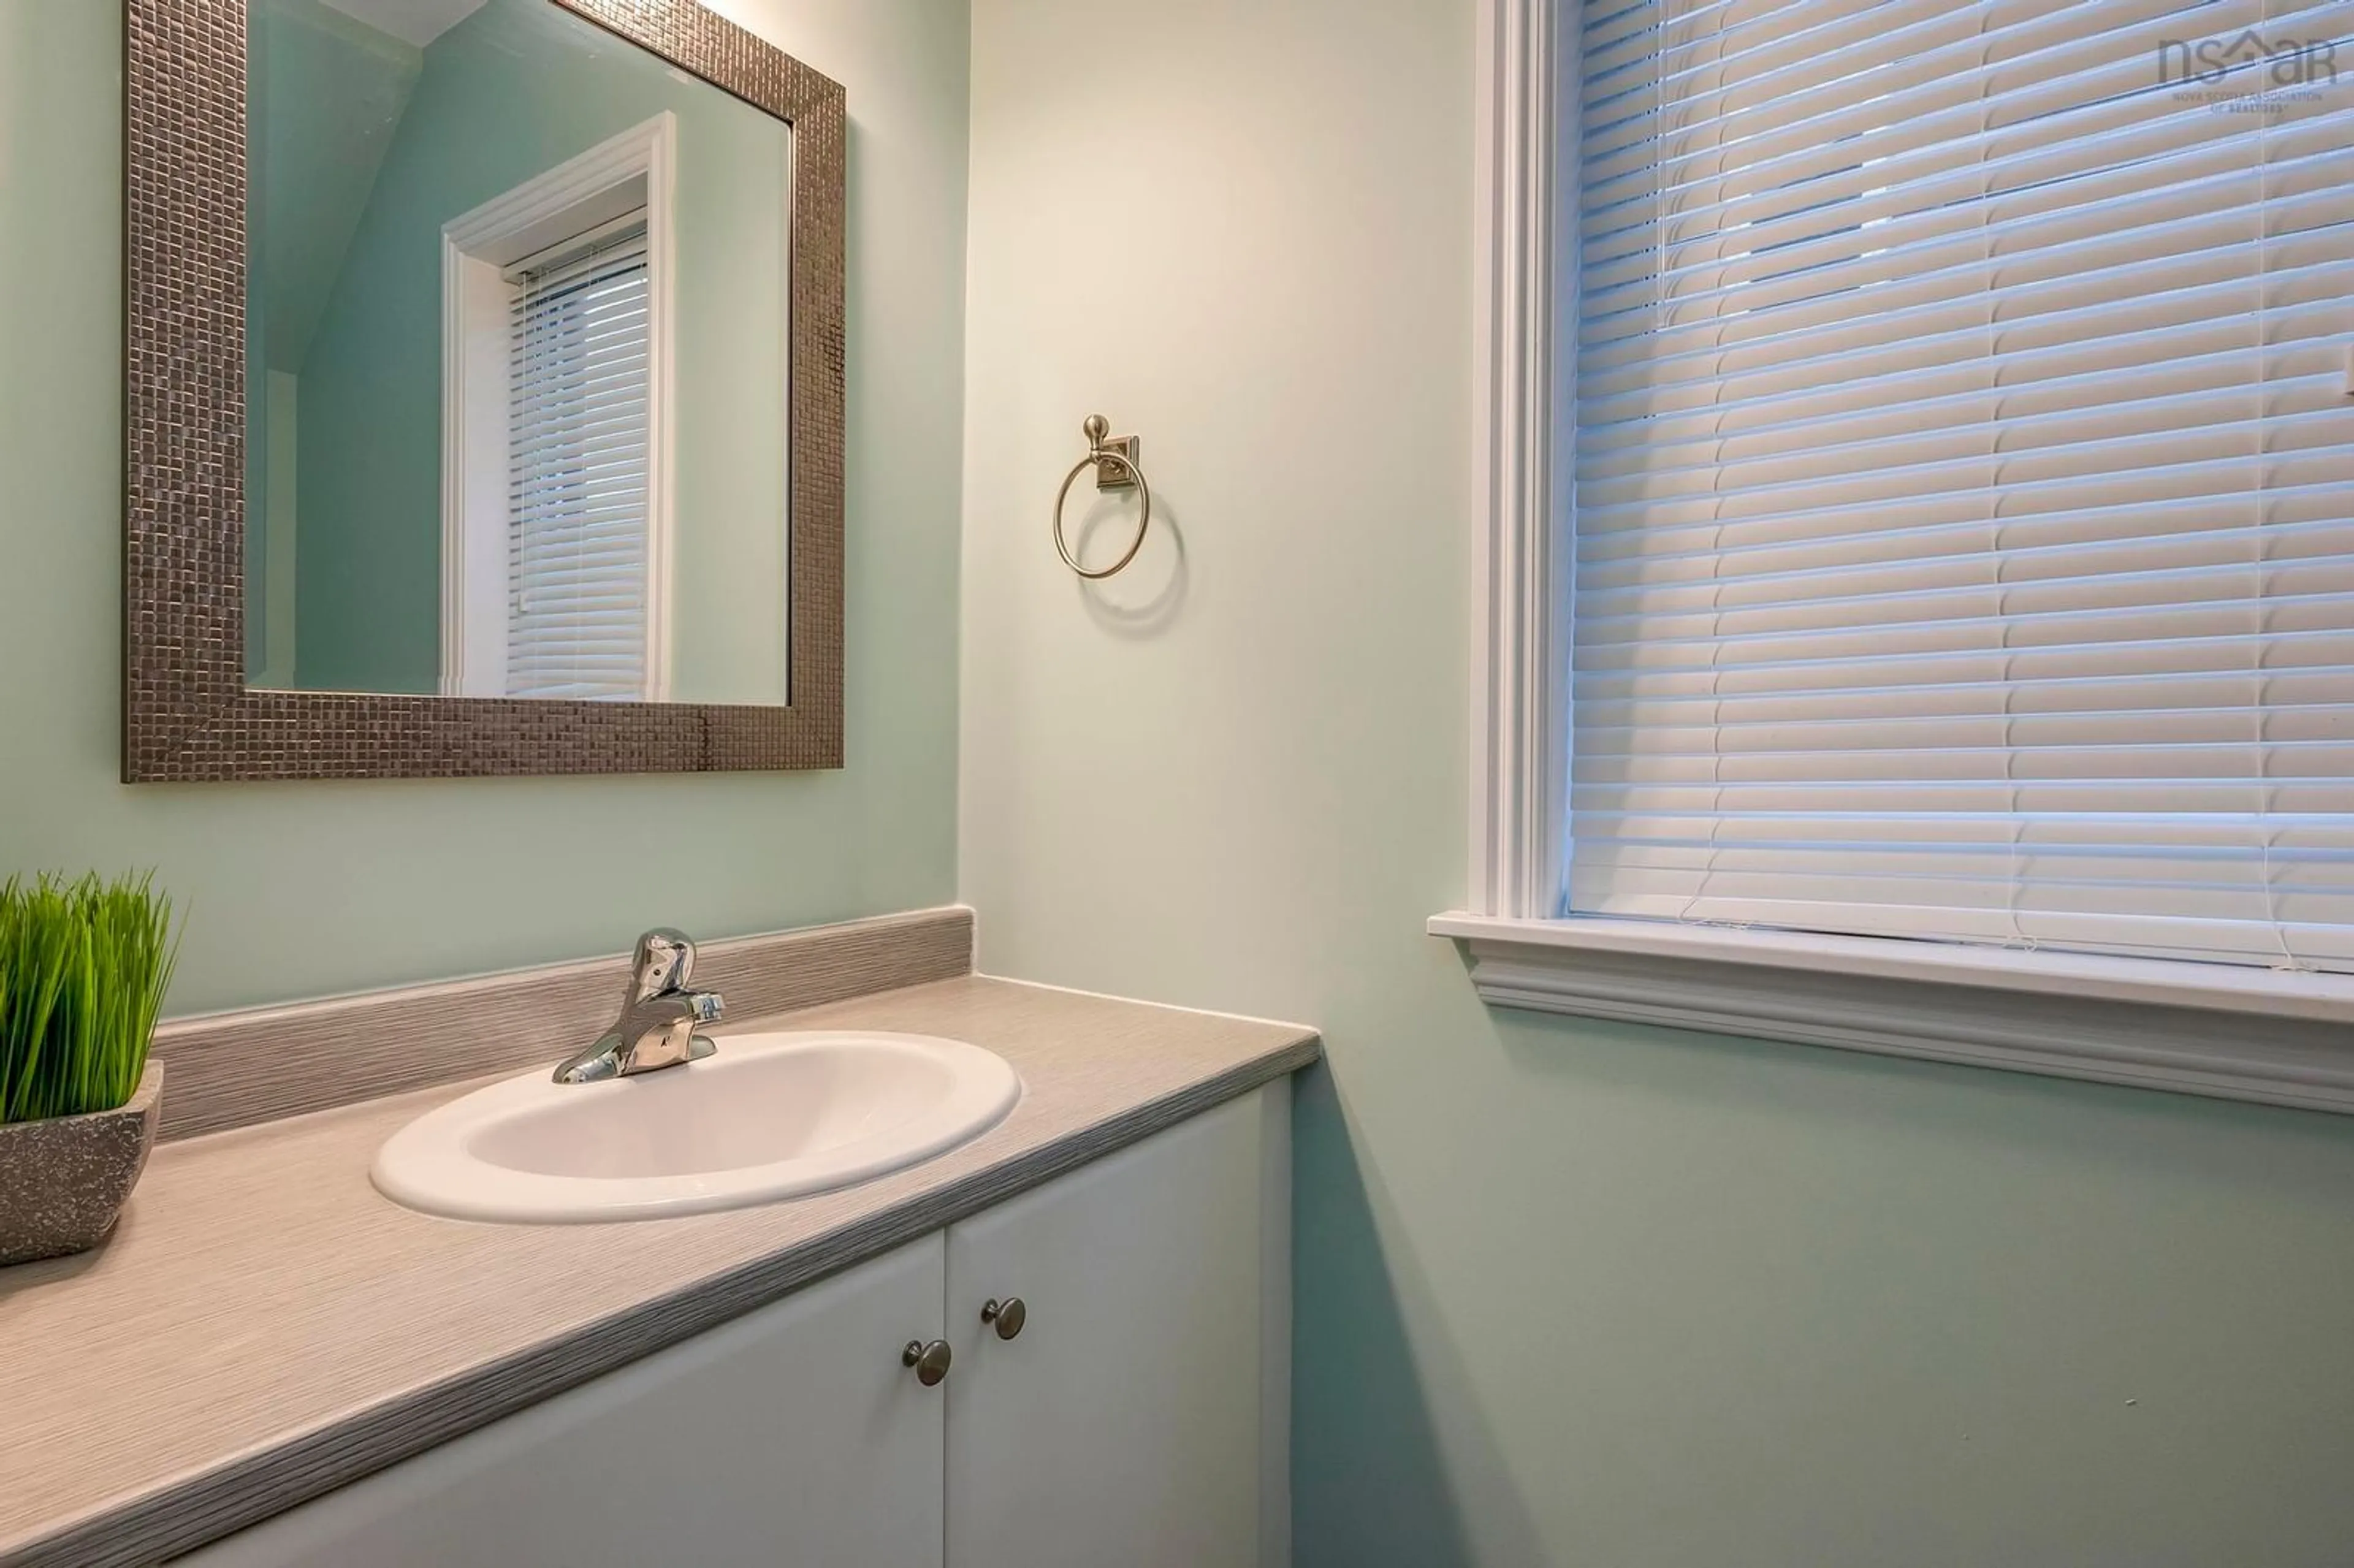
[264,1326]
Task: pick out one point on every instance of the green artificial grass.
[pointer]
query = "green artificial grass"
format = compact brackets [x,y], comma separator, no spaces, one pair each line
[83,967]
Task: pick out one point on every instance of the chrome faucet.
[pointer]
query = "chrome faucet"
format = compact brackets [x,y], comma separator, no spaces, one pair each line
[658,1014]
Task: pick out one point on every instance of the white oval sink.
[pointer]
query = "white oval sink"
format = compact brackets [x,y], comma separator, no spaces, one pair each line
[770,1116]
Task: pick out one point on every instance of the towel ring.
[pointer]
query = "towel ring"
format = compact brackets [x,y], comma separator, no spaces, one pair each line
[1099,452]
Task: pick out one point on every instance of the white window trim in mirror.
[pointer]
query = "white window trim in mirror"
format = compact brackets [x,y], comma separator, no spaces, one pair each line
[636,168]
[2214,1030]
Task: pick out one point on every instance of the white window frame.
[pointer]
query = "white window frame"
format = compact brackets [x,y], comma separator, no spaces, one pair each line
[636,168]
[2206,1028]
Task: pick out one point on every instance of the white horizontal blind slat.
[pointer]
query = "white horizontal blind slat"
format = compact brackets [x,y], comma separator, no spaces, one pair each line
[1964,471]
[578,460]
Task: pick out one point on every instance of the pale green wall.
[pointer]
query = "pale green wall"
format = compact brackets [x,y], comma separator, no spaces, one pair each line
[516,89]
[301,889]
[323,94]
[271,551]
[1567,1292]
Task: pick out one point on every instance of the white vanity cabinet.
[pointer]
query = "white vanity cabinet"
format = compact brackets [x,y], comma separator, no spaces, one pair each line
[1139,1416]
[791,1434]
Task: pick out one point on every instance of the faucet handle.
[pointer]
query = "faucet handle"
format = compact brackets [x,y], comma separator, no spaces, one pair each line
[664,962]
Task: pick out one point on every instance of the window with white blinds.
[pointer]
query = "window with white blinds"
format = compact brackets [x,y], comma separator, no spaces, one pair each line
[578,437]
[1964,471]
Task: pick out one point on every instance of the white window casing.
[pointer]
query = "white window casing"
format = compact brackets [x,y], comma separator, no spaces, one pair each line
[558,440]
[578,445]
[1920,512]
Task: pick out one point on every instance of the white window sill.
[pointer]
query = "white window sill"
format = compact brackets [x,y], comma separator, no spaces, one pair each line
[2198,1029]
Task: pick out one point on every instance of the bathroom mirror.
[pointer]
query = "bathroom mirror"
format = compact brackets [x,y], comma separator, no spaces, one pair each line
[484,387]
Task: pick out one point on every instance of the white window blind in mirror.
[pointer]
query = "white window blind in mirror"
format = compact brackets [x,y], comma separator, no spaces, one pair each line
[577,433]
[1964,473]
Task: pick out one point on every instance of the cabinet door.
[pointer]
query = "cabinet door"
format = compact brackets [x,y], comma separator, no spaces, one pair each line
[792,1437]
[1140,1416]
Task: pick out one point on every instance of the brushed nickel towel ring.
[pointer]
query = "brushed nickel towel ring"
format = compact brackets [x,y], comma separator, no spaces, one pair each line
[1114,460]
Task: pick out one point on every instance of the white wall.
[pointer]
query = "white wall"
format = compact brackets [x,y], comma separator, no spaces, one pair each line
[1568,1293]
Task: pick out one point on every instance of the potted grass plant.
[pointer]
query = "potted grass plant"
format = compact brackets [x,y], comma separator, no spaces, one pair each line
[83,967]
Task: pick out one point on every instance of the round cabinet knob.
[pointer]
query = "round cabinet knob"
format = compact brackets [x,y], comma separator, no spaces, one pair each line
[930,1358]
[1008,1315]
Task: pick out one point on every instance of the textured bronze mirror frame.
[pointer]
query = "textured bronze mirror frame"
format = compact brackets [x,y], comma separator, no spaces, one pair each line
[186,711]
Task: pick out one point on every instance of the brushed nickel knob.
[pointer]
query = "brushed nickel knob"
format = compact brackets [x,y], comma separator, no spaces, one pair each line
[1008,1315]
[930,1358]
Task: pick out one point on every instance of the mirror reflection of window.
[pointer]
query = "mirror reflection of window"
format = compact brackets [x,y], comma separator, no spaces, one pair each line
[556,325]
[434,505]
[578,444]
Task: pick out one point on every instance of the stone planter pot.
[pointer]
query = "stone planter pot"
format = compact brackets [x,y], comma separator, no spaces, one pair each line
[63,1181]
